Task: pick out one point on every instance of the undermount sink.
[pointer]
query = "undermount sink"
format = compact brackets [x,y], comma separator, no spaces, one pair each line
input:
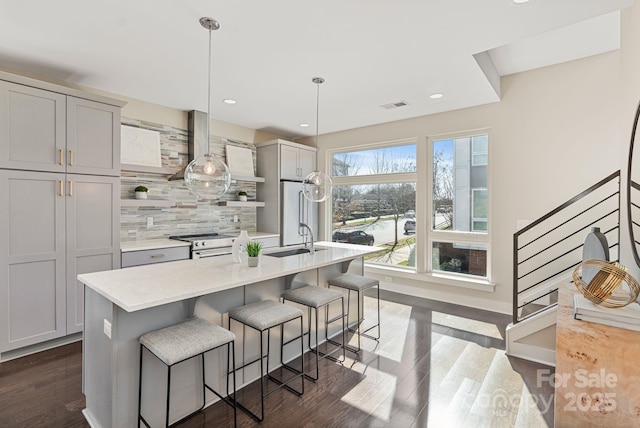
[293,252]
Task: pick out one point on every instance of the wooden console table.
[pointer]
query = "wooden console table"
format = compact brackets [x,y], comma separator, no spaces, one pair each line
[597,377]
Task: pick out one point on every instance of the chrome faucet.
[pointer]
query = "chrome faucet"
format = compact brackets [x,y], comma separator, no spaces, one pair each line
[312,249]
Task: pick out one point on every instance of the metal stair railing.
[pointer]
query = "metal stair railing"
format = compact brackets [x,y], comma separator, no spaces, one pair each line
[547,250]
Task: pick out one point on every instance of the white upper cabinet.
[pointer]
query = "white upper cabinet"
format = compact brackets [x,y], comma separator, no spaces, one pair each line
[93,137]
[42,130]
[296,162]
[32,128]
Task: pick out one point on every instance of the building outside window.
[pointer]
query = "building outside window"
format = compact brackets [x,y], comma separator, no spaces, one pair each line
[459,233]
[374,200]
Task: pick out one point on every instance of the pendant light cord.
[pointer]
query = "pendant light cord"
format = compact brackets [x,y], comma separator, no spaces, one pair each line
[317,119]
[209,100]
[317,81]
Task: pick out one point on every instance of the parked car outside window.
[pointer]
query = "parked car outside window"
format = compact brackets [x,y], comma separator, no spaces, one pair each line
[410,214]
[409,226]
[353,237]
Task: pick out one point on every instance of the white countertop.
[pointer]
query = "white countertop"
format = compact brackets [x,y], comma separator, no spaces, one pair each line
[157,243]
[151,244]
[143,287]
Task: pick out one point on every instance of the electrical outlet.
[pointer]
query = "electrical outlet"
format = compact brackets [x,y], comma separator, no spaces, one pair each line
[236,218]
[388,279]
[107,328]
[149,221]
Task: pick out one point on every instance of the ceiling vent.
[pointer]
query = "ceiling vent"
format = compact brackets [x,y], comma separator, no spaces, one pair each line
[394,105]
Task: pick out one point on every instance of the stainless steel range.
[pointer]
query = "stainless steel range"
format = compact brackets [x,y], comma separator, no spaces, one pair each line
[207,244]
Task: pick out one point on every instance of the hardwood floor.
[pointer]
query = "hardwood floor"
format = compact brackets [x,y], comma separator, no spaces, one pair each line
[437,365]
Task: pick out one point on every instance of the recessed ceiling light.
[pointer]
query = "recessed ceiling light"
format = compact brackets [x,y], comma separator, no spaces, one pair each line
[229,101]
[519,1]
[304,125]
[436,95]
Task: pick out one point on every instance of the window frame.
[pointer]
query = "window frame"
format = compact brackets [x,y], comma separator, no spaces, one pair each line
[423,179]
[452,236]
[371,179]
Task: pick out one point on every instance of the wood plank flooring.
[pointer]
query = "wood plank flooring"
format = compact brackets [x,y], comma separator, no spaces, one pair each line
[437,365]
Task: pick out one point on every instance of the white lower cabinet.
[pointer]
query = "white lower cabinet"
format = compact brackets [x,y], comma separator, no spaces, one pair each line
[53,226]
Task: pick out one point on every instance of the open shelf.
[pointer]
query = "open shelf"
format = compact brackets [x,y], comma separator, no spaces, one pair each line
[146,203]
[143,169]
[247,178]
[241,204]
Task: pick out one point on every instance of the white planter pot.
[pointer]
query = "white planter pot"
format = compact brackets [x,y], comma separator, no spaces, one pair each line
[141,195]
[253,261]
[242,198]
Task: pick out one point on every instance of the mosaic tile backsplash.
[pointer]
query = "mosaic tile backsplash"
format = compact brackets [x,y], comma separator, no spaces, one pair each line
[189,215]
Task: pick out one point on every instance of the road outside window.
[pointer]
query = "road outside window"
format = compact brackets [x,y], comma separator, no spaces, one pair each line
[374,201]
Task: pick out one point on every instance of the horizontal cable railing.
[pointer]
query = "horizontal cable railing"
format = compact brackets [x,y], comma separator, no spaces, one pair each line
[547,250]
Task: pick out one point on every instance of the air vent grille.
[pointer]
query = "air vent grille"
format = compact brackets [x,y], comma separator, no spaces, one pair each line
[394,105]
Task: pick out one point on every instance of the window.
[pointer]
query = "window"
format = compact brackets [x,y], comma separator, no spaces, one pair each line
[459,234]
[379,198]
[374,201]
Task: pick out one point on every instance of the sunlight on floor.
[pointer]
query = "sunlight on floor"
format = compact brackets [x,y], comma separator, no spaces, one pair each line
[394,328]
[470,380]
[467,324]
[374,394]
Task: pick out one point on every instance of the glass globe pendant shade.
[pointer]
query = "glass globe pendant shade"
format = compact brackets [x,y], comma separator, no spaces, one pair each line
[317,186]
[207,177]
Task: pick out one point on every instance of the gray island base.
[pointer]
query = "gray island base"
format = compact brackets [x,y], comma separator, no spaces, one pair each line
[121,305]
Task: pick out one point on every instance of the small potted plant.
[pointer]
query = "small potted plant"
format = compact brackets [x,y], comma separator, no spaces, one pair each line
[253,251]
[141,192]
[242,196]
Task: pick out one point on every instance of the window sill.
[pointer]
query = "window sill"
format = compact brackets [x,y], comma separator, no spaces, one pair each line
[436,278]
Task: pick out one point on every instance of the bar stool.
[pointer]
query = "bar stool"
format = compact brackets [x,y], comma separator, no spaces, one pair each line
[178,343]
[359,284]
[263,316]
[314,297]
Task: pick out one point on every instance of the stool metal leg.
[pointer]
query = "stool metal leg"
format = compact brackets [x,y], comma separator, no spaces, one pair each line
[264,377]
[364,333]
[359,319]
[168,395]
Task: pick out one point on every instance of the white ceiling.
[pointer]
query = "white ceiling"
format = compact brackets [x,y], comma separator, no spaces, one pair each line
[371,52]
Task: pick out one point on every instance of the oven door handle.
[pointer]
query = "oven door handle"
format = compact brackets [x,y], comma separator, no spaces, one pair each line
[213,252]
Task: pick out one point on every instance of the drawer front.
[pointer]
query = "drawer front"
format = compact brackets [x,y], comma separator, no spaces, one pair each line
[160,255]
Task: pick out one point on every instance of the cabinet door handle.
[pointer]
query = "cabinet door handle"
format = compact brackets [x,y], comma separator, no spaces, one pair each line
[61,187]
[70,157]
[70,188]
[157,256]
[61,156]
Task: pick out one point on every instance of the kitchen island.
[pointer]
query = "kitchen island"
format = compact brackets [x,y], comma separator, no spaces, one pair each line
[121,305]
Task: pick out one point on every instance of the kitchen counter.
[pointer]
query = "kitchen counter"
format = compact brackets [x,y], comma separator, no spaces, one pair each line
[121,305]
[158,243]
[151,244]
[143,287]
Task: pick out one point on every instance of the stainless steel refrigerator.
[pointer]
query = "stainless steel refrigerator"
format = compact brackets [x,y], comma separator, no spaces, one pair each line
[296,209]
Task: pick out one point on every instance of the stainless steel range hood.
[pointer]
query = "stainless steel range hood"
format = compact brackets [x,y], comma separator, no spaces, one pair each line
[197,139]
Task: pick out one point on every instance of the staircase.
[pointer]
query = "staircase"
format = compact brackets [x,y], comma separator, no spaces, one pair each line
[544,255]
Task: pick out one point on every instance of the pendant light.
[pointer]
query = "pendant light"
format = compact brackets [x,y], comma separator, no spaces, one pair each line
[317,186]
[208,176]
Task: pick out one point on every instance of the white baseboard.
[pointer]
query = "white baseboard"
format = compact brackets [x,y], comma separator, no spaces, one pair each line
[533,353]
[50,344]
[456,298]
